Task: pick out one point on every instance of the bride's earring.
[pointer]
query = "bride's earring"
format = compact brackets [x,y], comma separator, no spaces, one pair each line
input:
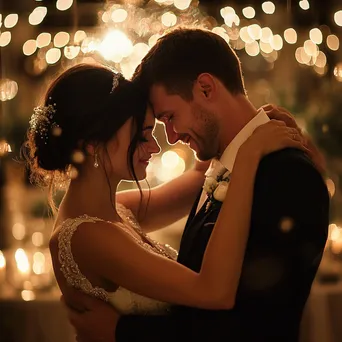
[96,163]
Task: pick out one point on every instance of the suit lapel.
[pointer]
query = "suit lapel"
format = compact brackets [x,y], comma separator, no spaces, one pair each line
[193,227]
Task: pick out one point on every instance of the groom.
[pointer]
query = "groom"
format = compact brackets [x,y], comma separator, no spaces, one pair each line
[196,88]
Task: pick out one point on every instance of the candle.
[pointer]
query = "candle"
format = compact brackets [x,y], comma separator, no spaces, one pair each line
[2,268]
[336,239]
[23,267]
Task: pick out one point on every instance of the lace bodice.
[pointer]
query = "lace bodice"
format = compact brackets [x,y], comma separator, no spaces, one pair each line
[123,300]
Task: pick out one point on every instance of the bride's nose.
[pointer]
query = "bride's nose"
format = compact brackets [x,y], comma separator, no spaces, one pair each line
[154,148]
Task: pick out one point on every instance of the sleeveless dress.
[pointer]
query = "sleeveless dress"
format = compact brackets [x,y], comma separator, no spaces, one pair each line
[124,301]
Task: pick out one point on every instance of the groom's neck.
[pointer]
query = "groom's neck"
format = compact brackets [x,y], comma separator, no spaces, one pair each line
[237,114]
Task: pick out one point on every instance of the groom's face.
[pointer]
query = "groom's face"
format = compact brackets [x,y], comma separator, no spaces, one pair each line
[187,121]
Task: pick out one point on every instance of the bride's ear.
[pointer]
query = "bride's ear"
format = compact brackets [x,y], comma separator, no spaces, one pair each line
[91,149]
[207,85]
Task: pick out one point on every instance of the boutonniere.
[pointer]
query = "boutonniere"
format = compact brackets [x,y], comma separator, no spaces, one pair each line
[216,189]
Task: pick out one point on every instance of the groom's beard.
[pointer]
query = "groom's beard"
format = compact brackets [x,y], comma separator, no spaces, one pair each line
[206,147]
[207,139]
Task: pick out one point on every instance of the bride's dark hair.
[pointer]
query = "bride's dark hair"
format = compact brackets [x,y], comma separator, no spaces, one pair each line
[85,104]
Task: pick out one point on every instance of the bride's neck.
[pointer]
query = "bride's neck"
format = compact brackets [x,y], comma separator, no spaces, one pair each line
[90,193]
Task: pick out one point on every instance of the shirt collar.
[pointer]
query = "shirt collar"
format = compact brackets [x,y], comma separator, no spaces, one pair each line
[228,157]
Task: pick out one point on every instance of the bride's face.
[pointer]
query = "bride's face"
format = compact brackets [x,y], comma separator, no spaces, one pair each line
[118,149]
[147,146]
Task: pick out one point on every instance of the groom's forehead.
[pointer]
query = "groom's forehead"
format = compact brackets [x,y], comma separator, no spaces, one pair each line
[158,99]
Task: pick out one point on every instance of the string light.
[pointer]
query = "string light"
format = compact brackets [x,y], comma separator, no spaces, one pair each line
[37,15]
[290,36]
[248,12]
[304,4]
[5,38]
[338,18]
[268,7]
[63,5]
[333,42]
[120,47]
[11,20]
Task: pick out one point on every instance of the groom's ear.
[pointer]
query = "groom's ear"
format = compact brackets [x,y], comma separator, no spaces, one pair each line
[207,85]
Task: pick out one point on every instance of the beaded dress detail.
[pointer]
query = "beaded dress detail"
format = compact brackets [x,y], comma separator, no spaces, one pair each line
[123,300]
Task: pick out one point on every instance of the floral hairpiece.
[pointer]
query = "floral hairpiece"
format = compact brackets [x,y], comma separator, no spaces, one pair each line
[42,120]
[116,78]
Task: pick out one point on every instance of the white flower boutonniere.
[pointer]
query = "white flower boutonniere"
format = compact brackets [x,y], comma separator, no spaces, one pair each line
[216,189]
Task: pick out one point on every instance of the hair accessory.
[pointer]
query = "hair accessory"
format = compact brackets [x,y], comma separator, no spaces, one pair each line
[96,163]
[116,78]
[42,120]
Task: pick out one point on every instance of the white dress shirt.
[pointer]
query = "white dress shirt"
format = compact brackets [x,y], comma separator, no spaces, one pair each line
[228,157]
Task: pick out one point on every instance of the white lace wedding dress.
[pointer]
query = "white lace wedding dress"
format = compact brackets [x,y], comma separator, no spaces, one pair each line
[123,300]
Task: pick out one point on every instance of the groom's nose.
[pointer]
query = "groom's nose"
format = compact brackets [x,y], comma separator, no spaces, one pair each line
[172,136]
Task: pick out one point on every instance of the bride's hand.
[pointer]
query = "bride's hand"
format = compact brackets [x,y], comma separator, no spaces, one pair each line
[280,113]
[273,136]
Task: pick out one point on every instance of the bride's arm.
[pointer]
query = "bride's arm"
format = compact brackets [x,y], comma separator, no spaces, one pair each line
[166,203]
[113,255]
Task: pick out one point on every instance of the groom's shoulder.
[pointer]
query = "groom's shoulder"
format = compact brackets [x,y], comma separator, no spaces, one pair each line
[289,160]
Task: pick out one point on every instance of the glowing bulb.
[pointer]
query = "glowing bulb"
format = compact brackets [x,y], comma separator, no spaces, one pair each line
[169,19]
[311,48]
[268,7]
[338,72]
[63,5]
[182,4]
[276,42]
[316,35]
[11,20]
[304,4]
[53,55]
[119,15]
[266,34]
[29,47]
[5,38]
[290,36]
[333,42]
[254,31]
[43,39]
[79,36]
[249,12]
[338,18]
[61,39]
[252,49]
[37,15]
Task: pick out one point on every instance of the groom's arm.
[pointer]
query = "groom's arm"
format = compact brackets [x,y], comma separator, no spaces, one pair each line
[290,219]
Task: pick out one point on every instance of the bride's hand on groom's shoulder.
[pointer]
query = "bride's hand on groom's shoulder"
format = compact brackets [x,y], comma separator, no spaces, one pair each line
[96,322]
[280,113]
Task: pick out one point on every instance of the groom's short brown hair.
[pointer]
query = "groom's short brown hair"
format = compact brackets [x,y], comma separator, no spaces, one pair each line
[178,57]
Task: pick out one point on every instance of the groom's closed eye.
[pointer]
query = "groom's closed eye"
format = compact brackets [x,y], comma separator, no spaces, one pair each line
[164,117]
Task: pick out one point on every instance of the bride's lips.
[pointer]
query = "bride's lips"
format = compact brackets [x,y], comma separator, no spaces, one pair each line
[144,161]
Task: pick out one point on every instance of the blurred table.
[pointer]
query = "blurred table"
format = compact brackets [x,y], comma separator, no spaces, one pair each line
[44,319]
[322,317]
[41,320]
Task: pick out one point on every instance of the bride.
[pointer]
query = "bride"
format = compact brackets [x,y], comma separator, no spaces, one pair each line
[95,128]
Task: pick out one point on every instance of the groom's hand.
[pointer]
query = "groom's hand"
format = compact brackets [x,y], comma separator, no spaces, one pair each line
[96,322]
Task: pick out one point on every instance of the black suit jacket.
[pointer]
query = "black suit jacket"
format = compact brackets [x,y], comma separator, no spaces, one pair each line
[289,225]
